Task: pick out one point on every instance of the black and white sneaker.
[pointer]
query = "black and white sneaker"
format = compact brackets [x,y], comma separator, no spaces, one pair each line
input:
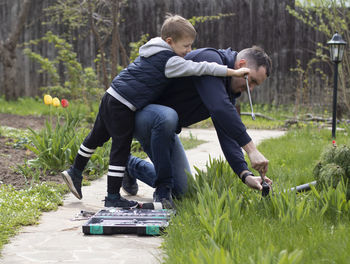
[73,182]
[120,202]
[129,184]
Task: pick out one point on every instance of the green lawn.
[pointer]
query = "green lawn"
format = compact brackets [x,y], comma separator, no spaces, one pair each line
[223,221]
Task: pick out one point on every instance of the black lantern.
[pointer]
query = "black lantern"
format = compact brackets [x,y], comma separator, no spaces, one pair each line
[336,48]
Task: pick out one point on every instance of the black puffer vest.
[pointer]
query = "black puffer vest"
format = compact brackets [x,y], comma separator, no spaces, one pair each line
[143,80]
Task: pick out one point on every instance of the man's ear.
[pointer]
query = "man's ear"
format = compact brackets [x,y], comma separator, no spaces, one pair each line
[242,63]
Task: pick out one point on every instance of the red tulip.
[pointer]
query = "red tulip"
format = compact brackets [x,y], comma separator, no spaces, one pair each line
[64,103]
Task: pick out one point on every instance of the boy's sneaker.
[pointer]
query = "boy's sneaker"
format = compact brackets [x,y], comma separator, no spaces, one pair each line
[120,202]
[163,195]
[73,182]
[129,184]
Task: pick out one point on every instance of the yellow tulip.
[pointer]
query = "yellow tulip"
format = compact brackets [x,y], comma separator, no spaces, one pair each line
[56,102]
[47,99]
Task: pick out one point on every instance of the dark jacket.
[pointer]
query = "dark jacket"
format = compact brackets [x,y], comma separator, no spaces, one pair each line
[143,80]
[197,98]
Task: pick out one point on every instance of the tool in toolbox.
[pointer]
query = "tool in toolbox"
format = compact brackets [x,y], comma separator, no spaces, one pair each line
[111,220]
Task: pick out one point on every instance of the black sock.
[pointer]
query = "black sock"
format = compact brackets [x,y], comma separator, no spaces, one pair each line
[114,184]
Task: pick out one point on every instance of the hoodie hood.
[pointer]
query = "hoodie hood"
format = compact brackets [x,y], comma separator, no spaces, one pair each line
[154,46]
[228,57]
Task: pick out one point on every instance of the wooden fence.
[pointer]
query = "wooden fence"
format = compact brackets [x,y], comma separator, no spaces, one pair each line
[254,22]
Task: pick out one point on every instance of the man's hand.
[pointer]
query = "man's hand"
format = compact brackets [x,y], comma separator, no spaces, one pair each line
[257,160]
[255,182]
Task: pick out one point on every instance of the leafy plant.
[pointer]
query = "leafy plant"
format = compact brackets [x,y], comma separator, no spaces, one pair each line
[135,46]
[333,168]
[78,82]
[53,144]
[201,19]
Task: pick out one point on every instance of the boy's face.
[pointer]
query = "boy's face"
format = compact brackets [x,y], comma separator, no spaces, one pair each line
[182,46]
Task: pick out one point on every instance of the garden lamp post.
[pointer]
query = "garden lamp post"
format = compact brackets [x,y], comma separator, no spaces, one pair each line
[336,49]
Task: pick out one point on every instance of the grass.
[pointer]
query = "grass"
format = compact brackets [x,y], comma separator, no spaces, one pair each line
[294,155]
[223,221]
[279,114]
[190,142]
[24,207]
[35,106]
[23,106]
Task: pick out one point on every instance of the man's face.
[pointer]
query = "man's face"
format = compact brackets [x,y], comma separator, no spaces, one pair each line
[255,78]
[182,46]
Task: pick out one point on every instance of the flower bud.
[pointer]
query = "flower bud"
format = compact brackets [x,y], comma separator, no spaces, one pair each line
[56,102]
[47,99]
[64,103]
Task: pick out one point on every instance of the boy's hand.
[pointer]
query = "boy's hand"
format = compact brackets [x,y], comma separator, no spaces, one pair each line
[239,72]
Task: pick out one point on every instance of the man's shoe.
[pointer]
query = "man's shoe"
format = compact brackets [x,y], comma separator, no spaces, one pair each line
[129,184]
[120,202]
[163,195]
[73,182]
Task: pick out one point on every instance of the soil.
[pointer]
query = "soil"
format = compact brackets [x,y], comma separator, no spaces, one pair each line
[10,156]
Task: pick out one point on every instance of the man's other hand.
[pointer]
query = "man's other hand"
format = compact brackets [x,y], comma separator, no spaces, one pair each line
[257,160]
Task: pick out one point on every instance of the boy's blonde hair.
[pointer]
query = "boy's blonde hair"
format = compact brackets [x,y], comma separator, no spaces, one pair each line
[177,27]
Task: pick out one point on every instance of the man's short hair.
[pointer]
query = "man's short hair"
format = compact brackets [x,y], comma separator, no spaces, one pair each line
[177,27]
[257,56]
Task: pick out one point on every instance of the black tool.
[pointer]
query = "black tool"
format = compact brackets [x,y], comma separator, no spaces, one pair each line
[266,189]
[250,99]
[300,188]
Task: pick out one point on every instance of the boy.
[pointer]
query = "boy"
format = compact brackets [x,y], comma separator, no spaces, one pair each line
[135,87]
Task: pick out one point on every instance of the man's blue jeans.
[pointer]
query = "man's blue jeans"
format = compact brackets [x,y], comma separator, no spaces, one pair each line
[155,127]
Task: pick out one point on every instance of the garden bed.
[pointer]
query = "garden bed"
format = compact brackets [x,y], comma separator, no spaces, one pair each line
[10,156]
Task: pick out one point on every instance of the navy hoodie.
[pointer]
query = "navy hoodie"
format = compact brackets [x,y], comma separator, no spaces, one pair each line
[197,98]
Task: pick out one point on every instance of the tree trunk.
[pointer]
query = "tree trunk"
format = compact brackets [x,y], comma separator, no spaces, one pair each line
[117,45]
[115,42]
[8,60]
[8,54]
[101,46]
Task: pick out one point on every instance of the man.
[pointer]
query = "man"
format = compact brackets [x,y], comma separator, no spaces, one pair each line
[191,100]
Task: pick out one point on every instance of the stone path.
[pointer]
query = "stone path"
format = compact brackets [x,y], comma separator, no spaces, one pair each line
[58,239]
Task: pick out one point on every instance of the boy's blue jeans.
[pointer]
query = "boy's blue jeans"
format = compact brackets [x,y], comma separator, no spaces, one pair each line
[155,127]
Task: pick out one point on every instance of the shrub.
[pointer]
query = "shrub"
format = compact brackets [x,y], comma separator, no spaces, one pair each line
[333,168]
